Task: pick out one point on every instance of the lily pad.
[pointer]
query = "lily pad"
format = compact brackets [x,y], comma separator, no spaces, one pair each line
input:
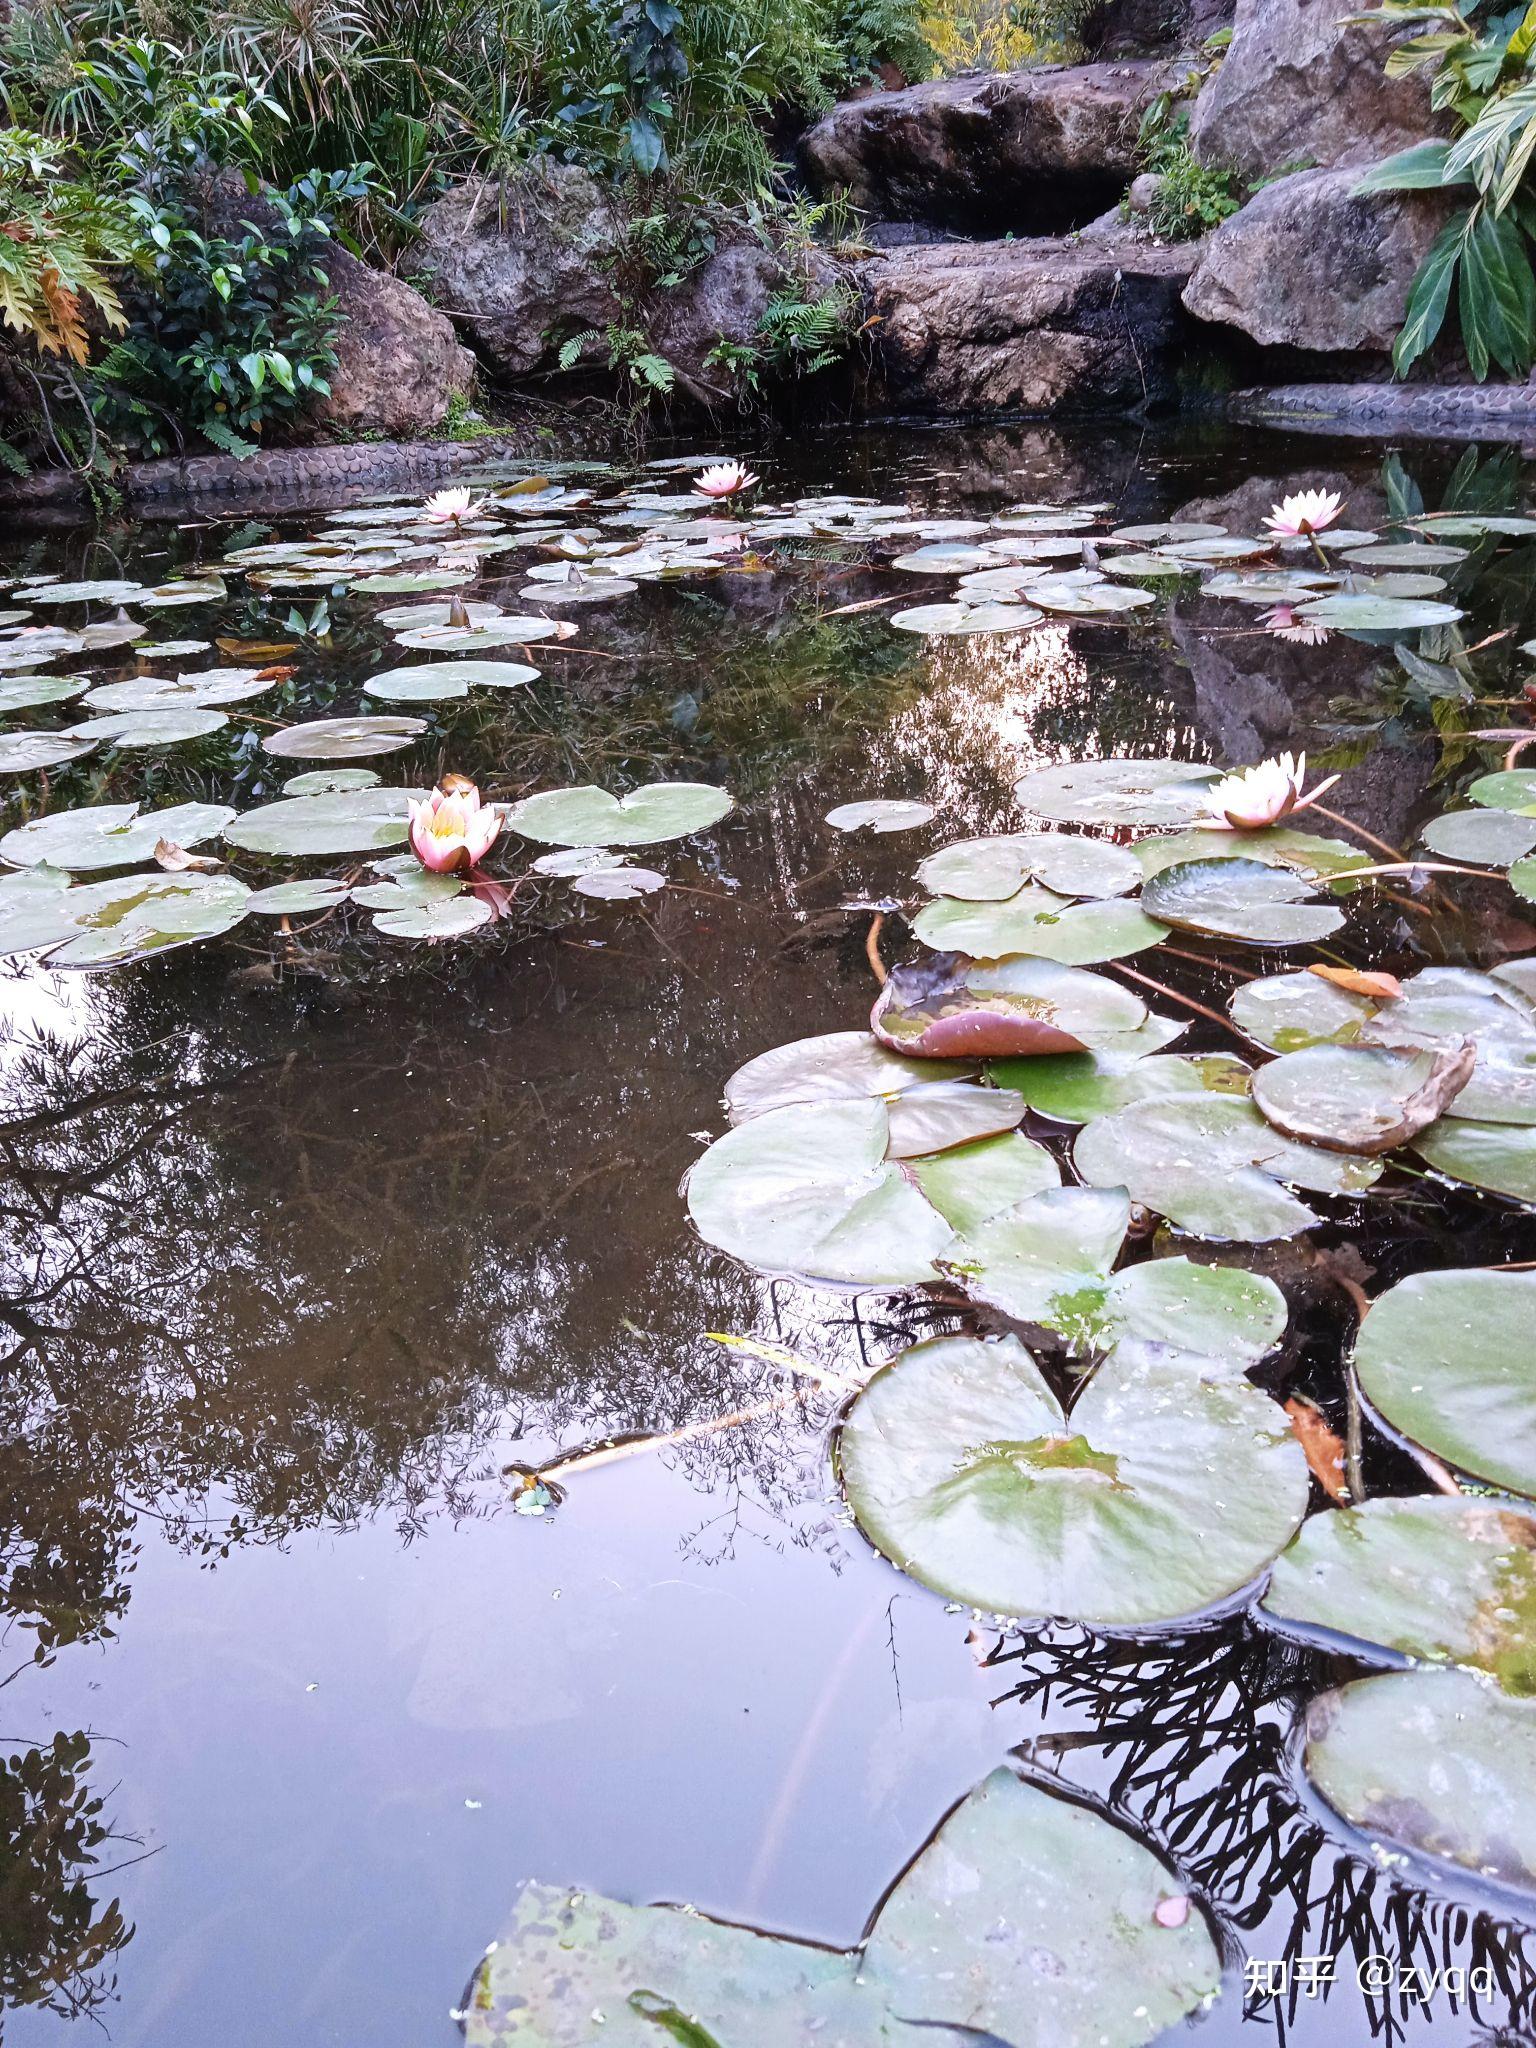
[618,884]
[1511,789]
[1117,792]
[1325,860]
[103,590]
[971,1184]
[588,816]
[324,781]
[1352,1098]
[1434,1762]
[1289,1011]
[809,1190]
[342,821]
[1364,612]
[992,869]
[1074,1088]
[449,917]
[954,1007]
[1039,922]
[184,693]
[157,728]
[1434,1579]
[1449,1359]
[295,899]
[1214,1167]
[21,693]
[505,632]
[1491,838]
[109,835]
[964,621]
[1089,600]
[890,814]
[941,1115]
[836,1066]
[1242,899]
[1499,1157]
[343,739]
[22,752]
[101,924]
[440,681]
[1163,1492]
[1412,554]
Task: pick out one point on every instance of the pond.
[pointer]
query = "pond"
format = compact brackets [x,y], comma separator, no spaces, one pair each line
[407,1491]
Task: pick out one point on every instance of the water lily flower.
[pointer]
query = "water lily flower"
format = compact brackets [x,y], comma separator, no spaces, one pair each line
[1304,513]
[447,508]
[724,480]
[452,832]
[1286,624]
[1252,798]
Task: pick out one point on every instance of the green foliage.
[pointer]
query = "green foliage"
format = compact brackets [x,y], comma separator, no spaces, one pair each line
[59,244]
[1484,76]
[1192,197]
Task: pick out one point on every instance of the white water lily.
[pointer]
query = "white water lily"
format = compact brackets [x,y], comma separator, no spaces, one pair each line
[724,480]
[1251,798]
[447,508]
[1304,513]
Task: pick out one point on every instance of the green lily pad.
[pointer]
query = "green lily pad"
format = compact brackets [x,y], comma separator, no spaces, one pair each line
[296,899]
[1117,792]
[1440,1005]
[1498,1157]
[185,693]
[506,632]
[1409,554]
[885,814]
[1164,1491]
[971,1184]
[943,1114]
[1214,1167]
[1089,600]
[1039,922]
[617,883]
[1074,1088]
[21,693]
[324,781]
[955,1007]
[157,728]
[1240,899]
[22,752]
[1364,612]
[1491,838]
[102,924]
[1434,1762]
[109,835]
[1435,1579]
[588,816]
[808,1189]
[836,1066]
[1289,1011]
[343,739]
[442,681]
[1512,789]
[343,821]
[1162,533]
[1522,876]
[1324,860]
[1450,1360]
[992,869]
[1354,1098]
[444,918]
[964,621]
[101,590]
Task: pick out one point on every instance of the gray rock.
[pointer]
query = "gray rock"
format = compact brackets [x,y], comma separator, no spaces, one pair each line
[1309,266]
[1298,86]
[521,262]
[1028,152]
[1027,327]
[725,300]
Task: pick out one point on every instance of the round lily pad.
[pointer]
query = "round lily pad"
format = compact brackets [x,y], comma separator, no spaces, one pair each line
[954,1007]
[618,884]
[1074,1088]
[943,1114]
[1289,1011]
[1214,1167]
[21,693]
[832,1067]
[1117,792]
[1491,838]
[970,1184]
[992,869]
[1162,1493]
[132,916]
[1498,1157]
[185,693]
[963,621]
[295,899]
[1435,1579]
[343,739]
[1159,533]
[1089,600]
[109,835]
[425,682]
[1353,1098]
[22,752]
[1040,922]
[1449,1359]
[1511,789]
[1240,899]
[809,1190]
[887,814]
[472,639]
[588,816]
[101,590]
[449,917]
[1435,1762]
[324,781]
[342,821]
[1325,860]
[1364,612]
[155,728]
[1413,554]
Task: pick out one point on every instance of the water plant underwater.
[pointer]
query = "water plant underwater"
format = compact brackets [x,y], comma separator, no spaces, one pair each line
[1091,1444]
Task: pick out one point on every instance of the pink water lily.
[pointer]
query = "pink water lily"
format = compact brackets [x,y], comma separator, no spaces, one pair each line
[1286,623]
[1251,798]
[724,480]
[1304,513]
[447,508]
[452,832]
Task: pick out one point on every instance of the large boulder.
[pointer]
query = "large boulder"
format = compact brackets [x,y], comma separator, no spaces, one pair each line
[1032,152]
[1027,327]
[398,361]
[1303,84]
[1307,265]
[525,263]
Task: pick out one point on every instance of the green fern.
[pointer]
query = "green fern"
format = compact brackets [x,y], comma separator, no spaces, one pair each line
[225,437]
[12,459]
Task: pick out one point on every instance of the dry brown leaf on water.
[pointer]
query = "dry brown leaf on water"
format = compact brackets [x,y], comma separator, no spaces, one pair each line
[256,650]
[176,860]
[276,674]
[1321,1447]
[865,604]
[1356,981]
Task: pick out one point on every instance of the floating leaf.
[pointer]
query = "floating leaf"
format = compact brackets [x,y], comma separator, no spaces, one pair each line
[103,590]
[343,821]
[973,1183]
[1355,981]
[323,781]
[618,884]
[185,693]
[1435,1579]
[1359,1098]
[1163,1492]
[588,816]
[101,924]
[808,1190]
[505,632]
[343,739]
[1447,1358]
[992,869]
[1500,1157]
[440,681]
[1163,532]
[1435,1762]
[1214,1167]
[1512,789]
[1076,1087]
[1117,792]
[446,918]
[836,1066]
[149,728]
[1363,612]
[962,621]
[888,814]
[1039,922]
[21,693]
[1492,838]
[22,752]
[1088,600]
[1240,899]
[1277,845]
[1325,1452]
[1414,554]
[295,899]
[109,835]
[954,1007]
